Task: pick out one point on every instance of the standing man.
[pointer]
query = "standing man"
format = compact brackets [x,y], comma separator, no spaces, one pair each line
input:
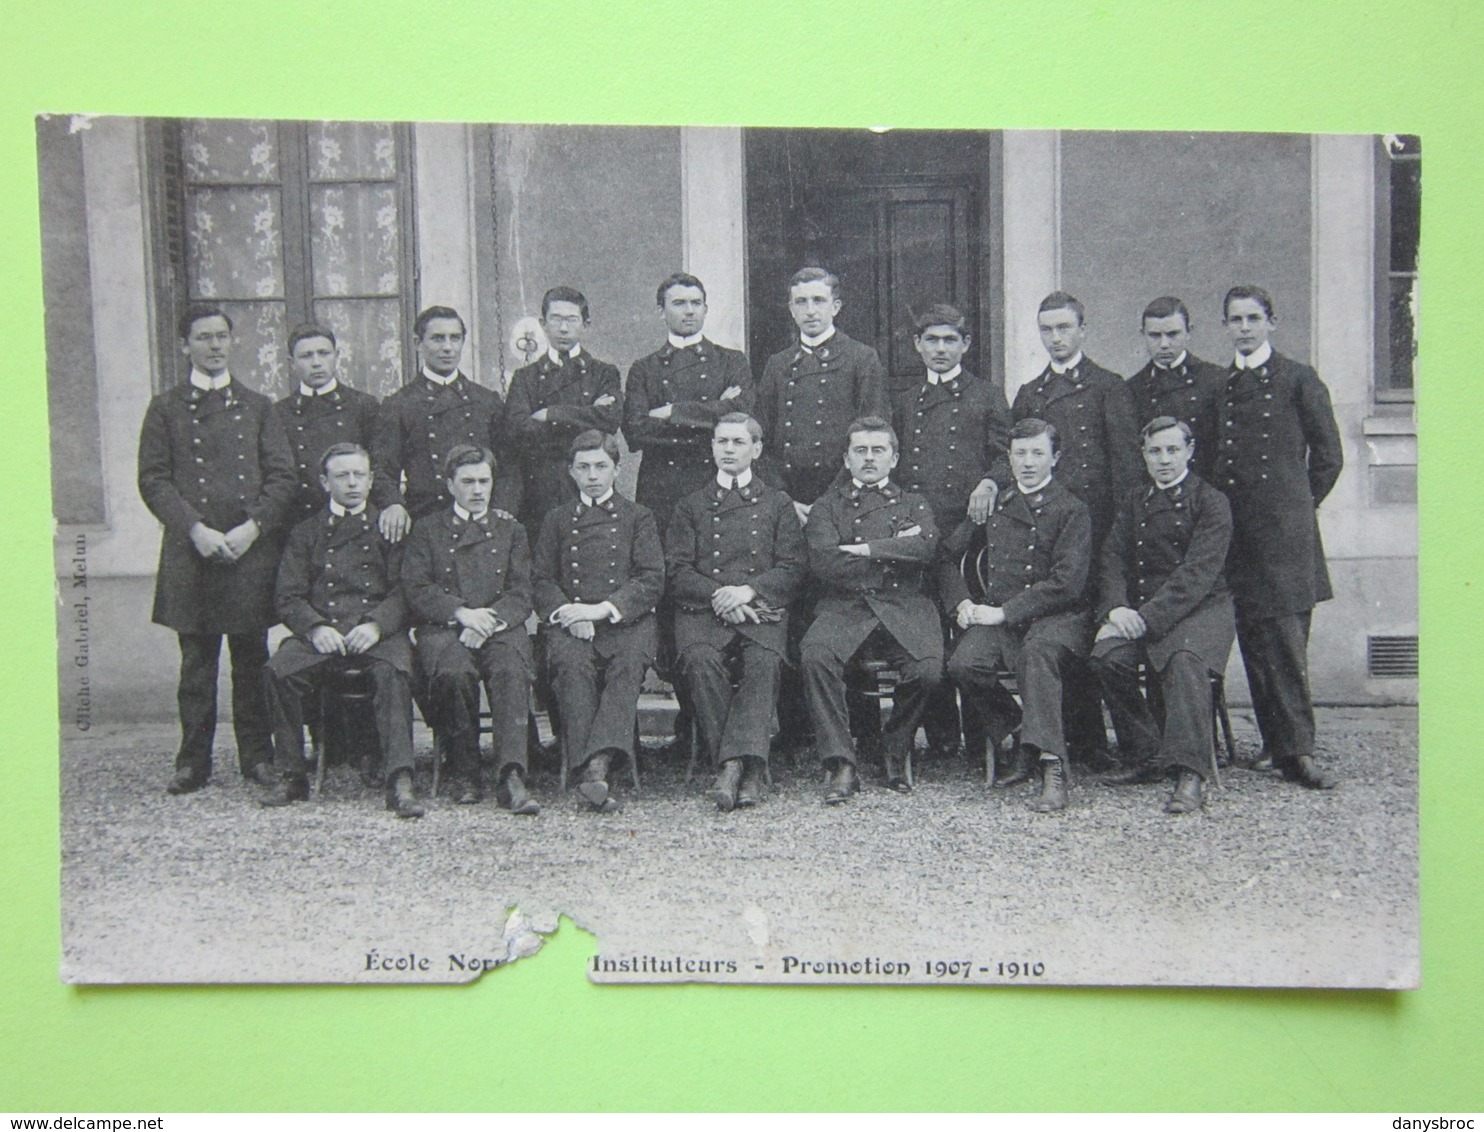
[423,421]
[870,544]
[322,412]
[468,582]
[339,590]
[953,428]
[736,559]
[599,572]
[1176,383]
[215,469]
[1029,561]
[552,400]
[1163,602]
[1278,456]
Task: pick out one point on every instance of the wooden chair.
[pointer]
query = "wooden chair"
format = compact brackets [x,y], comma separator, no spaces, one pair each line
[346,687]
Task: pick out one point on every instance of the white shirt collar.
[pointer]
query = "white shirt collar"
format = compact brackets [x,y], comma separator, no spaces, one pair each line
[1258,357]
[1071,363]
[1176,364]
[207,382]
[879,486]
[815,343]
[310,391]
[604,498]
[941,378]
[730,481]
[469,516]
[438,378]
[1177,483]
[681,343]
[336,509]
[551,352]
[1032,490]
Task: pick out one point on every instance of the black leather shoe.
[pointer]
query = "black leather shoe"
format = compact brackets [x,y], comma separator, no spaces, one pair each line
[896,775]
[1260,761]
[286,791]
[1189,795]
[1053,795]
[1012,771]
[185,782]
[1304,771]
[401,799]
[843,783]
[594,784]
[754,783]
[517,798]
[724,790]
[1140,774]
[471,794]
[262,774]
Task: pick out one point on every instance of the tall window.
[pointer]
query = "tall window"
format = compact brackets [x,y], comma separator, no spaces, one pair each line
[1401,214]
[288,222]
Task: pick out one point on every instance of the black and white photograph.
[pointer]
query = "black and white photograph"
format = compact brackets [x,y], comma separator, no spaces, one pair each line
[790,555]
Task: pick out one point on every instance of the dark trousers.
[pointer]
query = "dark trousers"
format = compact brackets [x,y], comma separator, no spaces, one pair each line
[824,692]
[453,674]
[200,654]
[732,723]
[1275,652]
[1180,734]
[1040,664]
[597,693]
[291,675]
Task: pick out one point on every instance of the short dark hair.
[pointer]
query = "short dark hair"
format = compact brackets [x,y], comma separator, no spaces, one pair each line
[464,456]
[591,440]
[872,424]
[1166,306]
[754,429]
[306,330]
[1028,428]
[678,279]
[940,314]
[420,324]
[1247,291]
[341,448]
[1061,301]
[815,275]
[1159,424]
[566,295]
[195,312]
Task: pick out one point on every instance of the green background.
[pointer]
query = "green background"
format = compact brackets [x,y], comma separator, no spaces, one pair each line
[537,1035]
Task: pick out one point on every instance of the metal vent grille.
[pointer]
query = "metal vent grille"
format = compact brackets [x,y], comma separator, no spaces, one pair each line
[1391,657]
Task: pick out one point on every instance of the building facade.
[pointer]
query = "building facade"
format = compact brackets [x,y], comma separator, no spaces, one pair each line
[358,225]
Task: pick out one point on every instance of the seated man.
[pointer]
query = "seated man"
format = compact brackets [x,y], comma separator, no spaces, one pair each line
[736,560]
[338,591]
[1164,602]
[599,571]
[468,584]
[1031,558]
[869,544]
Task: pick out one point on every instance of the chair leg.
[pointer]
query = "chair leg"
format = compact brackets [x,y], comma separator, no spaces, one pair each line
[319,740]
[634,760]
[437,761]
[1220,718]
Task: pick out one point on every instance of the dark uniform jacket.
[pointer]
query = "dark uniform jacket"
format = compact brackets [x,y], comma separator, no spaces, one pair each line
[608,551]
[1031,558]
[567,391]
[416,428]
[1278,454]
[951,435]
[744,536]
[218,458]
[1093,411]
[312,424]
[337,570]
[677,452]
[1166,559]
[1188,392]
[886,588]
[479,564]
[805,402]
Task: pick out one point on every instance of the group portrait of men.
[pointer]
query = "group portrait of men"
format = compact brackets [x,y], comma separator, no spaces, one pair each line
[800,545]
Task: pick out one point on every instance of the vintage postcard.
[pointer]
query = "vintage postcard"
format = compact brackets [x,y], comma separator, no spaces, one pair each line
[798,556]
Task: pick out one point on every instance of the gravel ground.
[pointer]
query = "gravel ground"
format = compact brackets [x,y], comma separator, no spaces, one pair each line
[1271,885]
